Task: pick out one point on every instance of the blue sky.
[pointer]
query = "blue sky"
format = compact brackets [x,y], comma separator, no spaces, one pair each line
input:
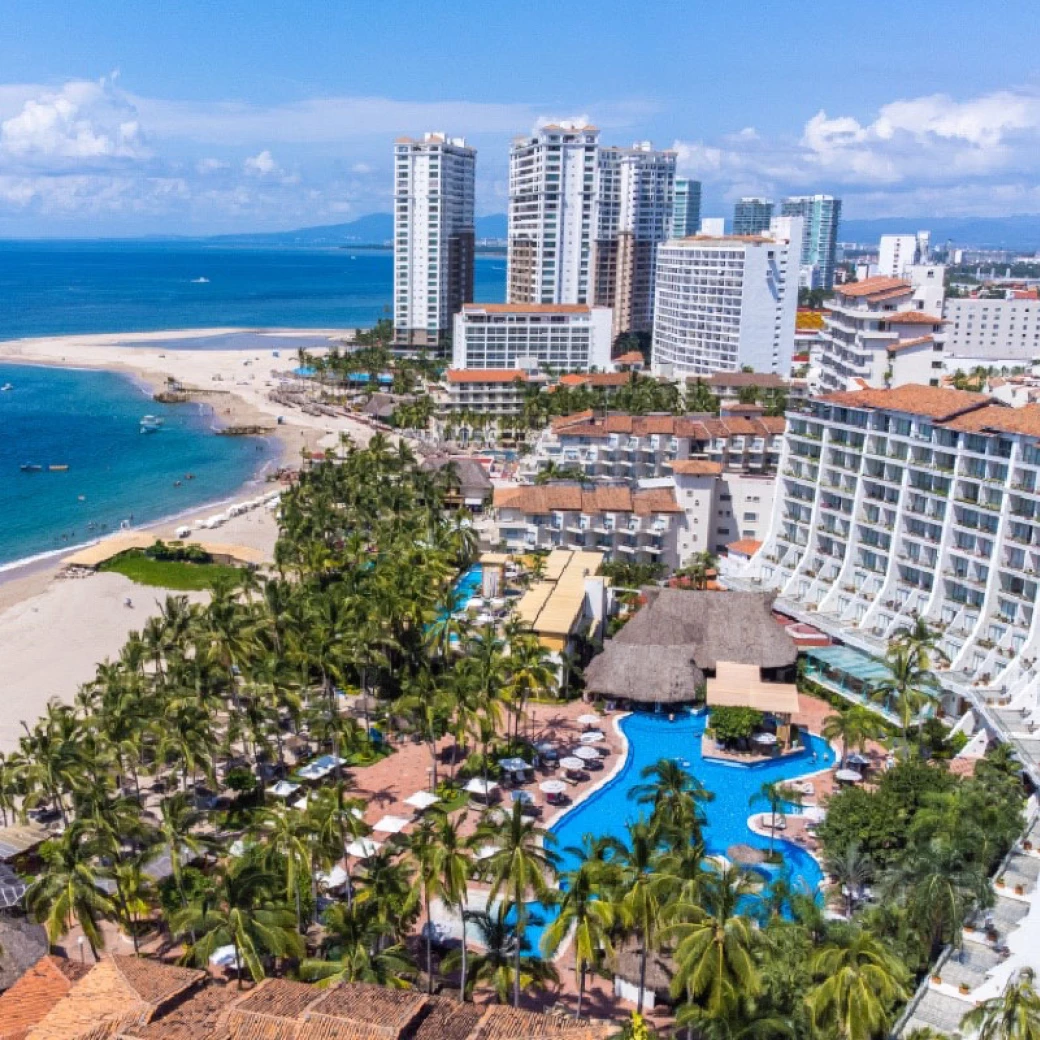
[120,117]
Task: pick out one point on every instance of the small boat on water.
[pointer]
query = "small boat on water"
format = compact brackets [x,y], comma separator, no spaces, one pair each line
[58,469]
[200,281]
[6,387]
[151,424]
[30,467]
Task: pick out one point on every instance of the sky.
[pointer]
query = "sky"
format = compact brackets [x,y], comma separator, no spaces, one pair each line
[193,117]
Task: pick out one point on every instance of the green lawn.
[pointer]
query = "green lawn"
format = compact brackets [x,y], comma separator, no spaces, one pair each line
[168,574]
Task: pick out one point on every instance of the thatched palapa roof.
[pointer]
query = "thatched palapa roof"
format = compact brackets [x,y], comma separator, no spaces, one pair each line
[659,966]
[653,674]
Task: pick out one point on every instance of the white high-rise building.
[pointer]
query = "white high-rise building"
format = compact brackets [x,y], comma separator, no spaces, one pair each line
[752,215]
[686,209]
[896,255]
[820,217]
[725,302]
[567,337]
[433,236]
[712,226]
[634,199]
[552,195]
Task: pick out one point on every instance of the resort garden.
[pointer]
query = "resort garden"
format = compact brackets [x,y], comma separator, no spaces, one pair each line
[351,655]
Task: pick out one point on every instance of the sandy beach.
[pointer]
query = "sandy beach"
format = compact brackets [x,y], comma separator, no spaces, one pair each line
[55,631]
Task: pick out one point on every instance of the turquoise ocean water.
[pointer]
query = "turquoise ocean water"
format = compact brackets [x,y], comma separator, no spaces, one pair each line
[89,420]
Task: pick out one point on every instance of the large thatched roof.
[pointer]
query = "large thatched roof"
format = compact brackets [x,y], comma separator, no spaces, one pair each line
[713,626]
[650,674]
[659,967]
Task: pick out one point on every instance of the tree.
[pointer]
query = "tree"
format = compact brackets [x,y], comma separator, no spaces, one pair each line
[354,952]
[239,911]
[853,727]
[852,870]
[675,797]
[452,865]
[1014,1015]
[776,795]
[911,685]
[860,983]
[520,867]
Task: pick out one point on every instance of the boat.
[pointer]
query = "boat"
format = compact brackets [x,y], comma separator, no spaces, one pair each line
[7,386]
[30,467]
[58,468]
[200,281]
[150,424]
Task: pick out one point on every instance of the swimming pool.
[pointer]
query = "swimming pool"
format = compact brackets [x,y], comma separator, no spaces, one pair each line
[652,737]
[468,583]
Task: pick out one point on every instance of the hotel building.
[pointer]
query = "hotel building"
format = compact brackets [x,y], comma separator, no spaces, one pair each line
[489,391]
[752,216]
[896,255]
[566,337]
[634,199]
[991,331]
[725,302]
[552,193]
[433,236]
[686,208]
[820,216]
[882,332]
[914,502]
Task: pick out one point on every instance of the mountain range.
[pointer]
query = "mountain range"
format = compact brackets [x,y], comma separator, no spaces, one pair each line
[376,229]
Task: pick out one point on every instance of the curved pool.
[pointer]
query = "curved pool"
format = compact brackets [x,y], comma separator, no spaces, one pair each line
[651,737]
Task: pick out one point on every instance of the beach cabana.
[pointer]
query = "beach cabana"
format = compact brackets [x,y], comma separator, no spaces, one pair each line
[626,968]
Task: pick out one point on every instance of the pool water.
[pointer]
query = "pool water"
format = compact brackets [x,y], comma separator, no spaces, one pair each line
[469,584]
[652,737]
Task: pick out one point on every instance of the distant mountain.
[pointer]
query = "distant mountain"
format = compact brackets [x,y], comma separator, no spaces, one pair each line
[1021,232]
[375,229]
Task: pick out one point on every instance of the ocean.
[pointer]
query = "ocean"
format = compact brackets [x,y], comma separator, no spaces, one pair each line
[89,420]
[52,288]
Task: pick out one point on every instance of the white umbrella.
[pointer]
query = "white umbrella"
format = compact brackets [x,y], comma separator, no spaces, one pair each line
[363,848]
[589,720]
[486,851]
[571,764]
[223,956]
[422,800]
[594,736]
[283,789]
[334,878]
[588,754]
[814,813]
[552,786]
[480,786]
[391,824]
[764,738]
[848,776]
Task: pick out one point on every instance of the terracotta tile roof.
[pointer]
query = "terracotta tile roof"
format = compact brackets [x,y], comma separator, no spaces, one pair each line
[278,998]
[596,379]
[447,1020]
[528,308]
[633,357]
[696,468]
[570,420]
[534,500]
[997,418]
[873,286]
[203,1016]
[747,546]
[933,402]
[363,1011]
[761,379]
[506,1023]
[35,993]
[906,344]
[118,992]
[913,318]
[774,424]
[655,500]
[485,375]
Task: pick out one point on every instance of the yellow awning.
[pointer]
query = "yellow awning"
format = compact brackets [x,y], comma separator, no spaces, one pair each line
[741,686]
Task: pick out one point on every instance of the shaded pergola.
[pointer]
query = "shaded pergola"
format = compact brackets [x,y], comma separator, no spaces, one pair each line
[742,686]
[850,674]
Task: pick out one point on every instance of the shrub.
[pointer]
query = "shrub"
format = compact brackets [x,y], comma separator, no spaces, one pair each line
[733,724]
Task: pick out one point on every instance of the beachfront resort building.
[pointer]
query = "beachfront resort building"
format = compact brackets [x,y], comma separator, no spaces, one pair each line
[882,332]
[981,331]
[723,302]
[486,391]
[686,208]
[914,502]
[820,216]
[721,471]
[634,199]
[433,236]
[552,196]
[567,337]
[752,216]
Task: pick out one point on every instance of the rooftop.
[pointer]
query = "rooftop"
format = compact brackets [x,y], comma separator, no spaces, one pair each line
[913,318]
[699,427]
[35,993]
[486,375]
[596,379]
[552,606]
[873,286]
[540,500]
[932,402]
[906,344]
[526,308]
[696,468]
[747,546]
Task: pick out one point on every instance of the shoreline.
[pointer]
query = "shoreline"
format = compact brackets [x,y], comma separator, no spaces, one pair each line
[229,401]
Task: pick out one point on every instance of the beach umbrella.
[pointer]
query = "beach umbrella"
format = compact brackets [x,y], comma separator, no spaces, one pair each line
[552,787]
[524,797]
[593,736]
[766,739]
[391,824]
[481,787]
[363,848]
[746,854]
[848,776]
[857,760]
[588,754]
[589,720]
[572,764]
[421,800]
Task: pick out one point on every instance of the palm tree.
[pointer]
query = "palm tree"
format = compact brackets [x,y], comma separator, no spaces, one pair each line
[714,945]
[852,869]
[853,727]
[354,952]
[584,916]
[520,867]
[861,981]
[287,847]
[911,685]
[503,962]
[776,795]
[239,911]
[67,890]
[674,796]
[1014,1015]
[453,864]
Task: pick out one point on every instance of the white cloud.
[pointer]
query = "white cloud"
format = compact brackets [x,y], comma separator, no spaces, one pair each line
[205,166]
[362,168]
[955,153]
[85,122]
[261,165]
